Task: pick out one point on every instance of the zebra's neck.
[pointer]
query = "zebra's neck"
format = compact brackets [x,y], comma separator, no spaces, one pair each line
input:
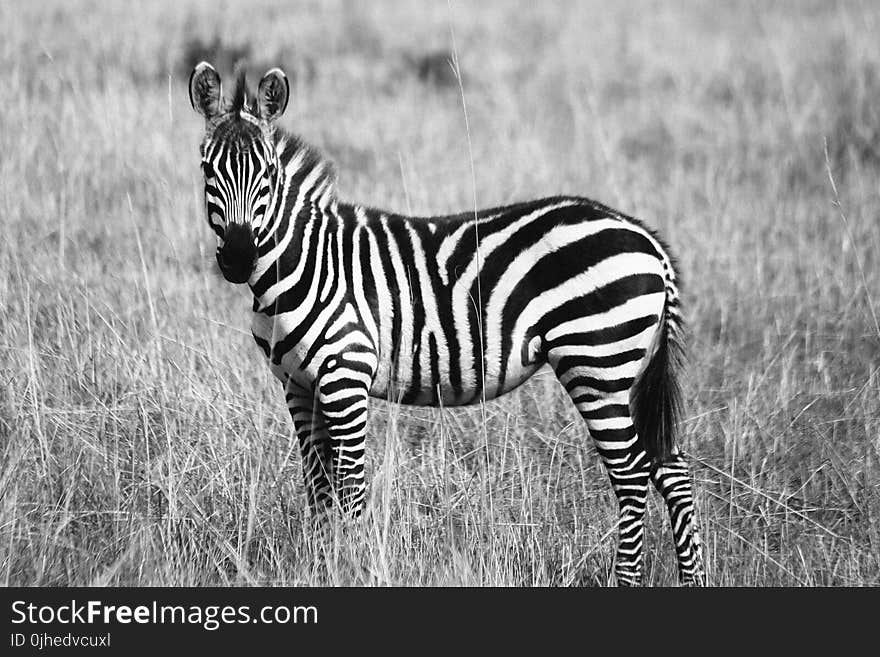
[307,178]
[305,195]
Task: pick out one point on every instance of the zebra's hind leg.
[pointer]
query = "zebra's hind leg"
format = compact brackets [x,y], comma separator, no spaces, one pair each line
[672,480]
[629,468]
[599,385]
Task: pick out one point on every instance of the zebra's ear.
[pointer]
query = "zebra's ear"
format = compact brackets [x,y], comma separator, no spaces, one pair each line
[205,90]
[273,94]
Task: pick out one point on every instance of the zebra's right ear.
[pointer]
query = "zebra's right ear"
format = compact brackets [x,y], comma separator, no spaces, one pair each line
[205,90]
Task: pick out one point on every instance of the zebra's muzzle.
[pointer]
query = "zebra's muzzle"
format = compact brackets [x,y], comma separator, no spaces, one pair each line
[238,255]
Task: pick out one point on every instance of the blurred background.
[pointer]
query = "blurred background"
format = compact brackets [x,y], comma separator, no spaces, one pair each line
[143,441]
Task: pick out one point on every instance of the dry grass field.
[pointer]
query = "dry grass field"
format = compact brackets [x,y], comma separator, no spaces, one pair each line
[144,442]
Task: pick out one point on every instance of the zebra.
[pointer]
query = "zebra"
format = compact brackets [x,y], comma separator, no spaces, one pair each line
[352,302]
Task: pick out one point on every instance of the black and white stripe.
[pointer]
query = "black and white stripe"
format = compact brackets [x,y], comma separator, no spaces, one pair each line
[351,302]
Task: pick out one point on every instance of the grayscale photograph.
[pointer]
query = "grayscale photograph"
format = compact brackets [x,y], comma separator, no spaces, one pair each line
[436,294]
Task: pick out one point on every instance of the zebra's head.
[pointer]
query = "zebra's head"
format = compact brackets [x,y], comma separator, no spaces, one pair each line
[239,161]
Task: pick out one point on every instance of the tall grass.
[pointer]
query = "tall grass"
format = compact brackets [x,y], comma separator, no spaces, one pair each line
[144,442]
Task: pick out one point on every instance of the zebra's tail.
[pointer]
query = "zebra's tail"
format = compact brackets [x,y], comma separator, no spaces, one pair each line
[656,396]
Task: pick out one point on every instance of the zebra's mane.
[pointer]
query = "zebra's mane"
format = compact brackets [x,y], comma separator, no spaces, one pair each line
[241,97]
[292,148]
[231,126]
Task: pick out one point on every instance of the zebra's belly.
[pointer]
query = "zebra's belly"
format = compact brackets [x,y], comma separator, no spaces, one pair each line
[410,382]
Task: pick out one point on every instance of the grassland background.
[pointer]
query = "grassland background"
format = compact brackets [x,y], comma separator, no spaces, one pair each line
[144,442]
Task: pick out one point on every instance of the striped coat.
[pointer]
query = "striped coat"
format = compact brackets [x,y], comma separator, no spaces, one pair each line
[351,302]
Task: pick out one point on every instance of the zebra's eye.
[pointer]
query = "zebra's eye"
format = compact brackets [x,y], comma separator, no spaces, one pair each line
[208,169]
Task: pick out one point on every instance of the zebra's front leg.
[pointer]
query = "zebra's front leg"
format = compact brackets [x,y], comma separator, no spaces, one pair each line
[344,405]
[314,443]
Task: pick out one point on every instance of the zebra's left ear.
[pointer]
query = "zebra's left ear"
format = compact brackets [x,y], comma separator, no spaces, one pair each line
[273,94]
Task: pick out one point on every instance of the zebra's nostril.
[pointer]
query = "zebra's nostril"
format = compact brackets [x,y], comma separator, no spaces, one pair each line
[238,254]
